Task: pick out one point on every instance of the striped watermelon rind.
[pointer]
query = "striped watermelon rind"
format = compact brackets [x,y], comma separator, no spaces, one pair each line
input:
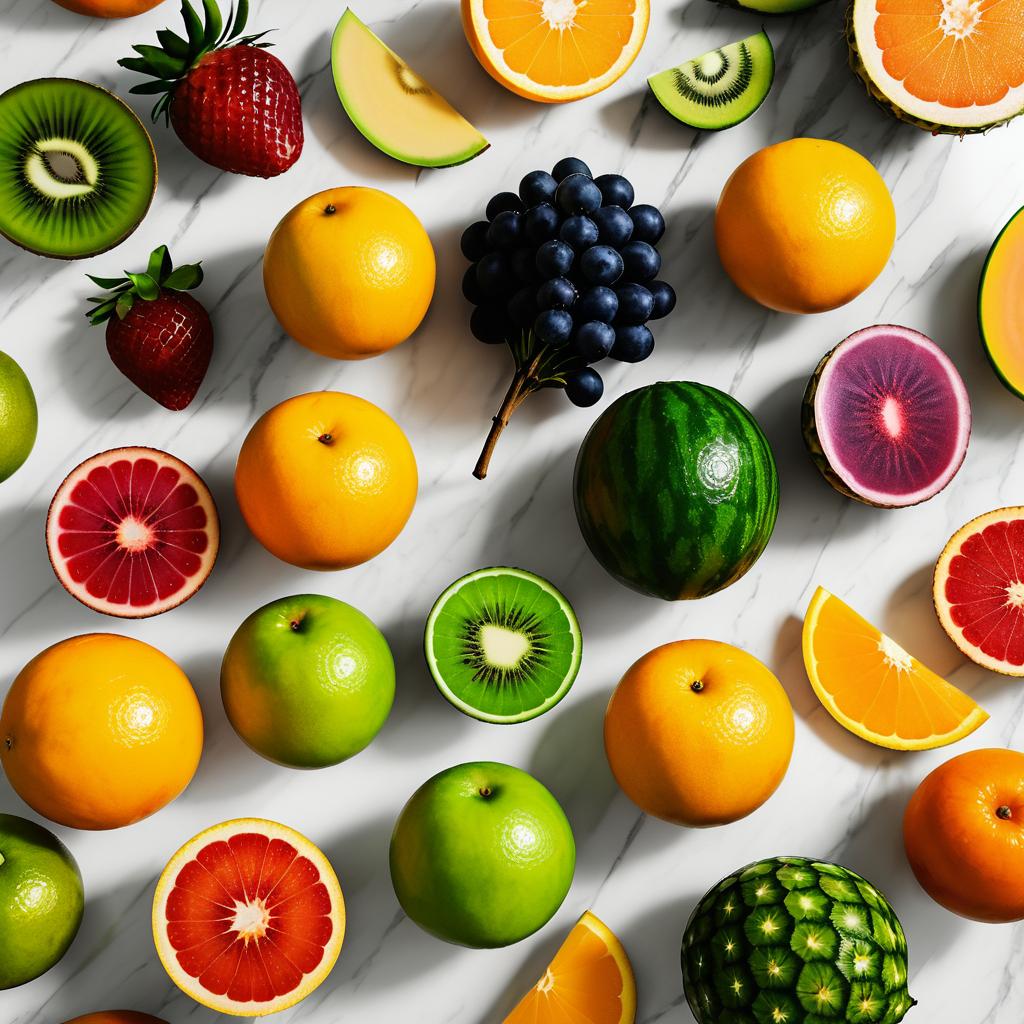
[676,490]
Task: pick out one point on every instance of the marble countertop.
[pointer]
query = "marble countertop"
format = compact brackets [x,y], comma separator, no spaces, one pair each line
[842,798]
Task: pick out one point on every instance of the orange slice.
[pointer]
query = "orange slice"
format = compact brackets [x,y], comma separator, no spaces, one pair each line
[556,50]
[590,981]
[874,688]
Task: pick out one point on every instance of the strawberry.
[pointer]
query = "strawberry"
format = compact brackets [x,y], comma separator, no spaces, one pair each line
[232,103]
[158,335]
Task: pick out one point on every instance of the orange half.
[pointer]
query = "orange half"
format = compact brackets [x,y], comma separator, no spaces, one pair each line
[553,51]
[874,688]
[590,981]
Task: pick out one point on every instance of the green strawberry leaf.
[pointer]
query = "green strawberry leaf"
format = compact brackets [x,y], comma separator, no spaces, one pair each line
[241,16]
[101,312]
[145,287]
[151,88]
[214,24]
[159,263]
[194,27]
[161,63]
[136,64]
[108,282]
[124,305]
[185,278]
[172,43]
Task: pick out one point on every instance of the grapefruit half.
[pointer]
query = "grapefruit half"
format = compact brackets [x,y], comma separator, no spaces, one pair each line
[132,532]
[248,917]
[978,589]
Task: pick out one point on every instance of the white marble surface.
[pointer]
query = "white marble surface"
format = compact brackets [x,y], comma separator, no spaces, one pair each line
[842,799]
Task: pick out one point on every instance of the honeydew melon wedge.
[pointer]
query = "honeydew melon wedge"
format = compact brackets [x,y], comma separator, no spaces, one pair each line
[1001,304]
[393,107]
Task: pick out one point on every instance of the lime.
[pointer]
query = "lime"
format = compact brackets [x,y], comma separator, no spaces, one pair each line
[18,416]
[41,900]
[307,681]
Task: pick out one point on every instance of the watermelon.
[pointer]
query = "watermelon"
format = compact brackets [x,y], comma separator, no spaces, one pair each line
[676,490]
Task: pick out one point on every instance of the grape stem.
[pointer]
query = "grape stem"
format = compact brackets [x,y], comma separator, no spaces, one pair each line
[524,383]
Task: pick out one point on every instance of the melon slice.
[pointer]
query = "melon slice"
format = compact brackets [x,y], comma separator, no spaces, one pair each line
[132,532]
[978,590]
[248,917]
[952,66]
[771,6]
[393,107]
[886,417]
[1001,304]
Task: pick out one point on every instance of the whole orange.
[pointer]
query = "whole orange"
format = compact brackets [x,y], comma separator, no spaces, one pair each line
[805,225]
[116,1017]
[349,272]
[100,731]
[699,733]
[964,835]
[326,480]
[108,8]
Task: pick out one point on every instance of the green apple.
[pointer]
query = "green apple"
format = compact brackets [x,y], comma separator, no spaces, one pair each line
[19,417]
[482,855]
[41,900]
[307,681]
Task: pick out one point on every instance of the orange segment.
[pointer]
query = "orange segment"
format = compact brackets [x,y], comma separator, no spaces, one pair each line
[874,688]
[590,981]
[556,50]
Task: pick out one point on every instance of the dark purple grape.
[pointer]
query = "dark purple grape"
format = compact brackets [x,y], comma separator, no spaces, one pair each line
[642,261]
[648,223]
[471,286]
[593,340]
[541,223]
[490,325]
[558,293]
[597,303]
[579,231]
[636,304]
[537,187]
[577,194]
[504,201]
[494,274]
[601,264]
[554,259]
[584,387]
[522,307]
[615,190]
[506,230]
[614,226]
[664,298]
[633,343]
[553,327]
[474,241]
[522,263]
[569,165]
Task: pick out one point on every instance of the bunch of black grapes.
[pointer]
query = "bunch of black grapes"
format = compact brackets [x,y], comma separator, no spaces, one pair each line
[572,260]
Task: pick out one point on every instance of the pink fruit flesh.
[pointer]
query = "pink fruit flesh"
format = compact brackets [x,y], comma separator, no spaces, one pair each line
[892,415]
[132,532]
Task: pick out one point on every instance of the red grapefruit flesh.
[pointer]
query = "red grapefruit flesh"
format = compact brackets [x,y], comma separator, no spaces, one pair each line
[248,917]
[979,590]
[132,532]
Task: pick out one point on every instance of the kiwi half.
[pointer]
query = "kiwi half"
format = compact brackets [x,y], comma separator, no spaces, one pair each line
[720,88]
[503,645]
[77,168]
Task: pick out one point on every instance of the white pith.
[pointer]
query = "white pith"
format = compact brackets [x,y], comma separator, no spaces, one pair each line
[960,18]
[502,647]
[894,655]
[561,14]
[250,920]
[41,177]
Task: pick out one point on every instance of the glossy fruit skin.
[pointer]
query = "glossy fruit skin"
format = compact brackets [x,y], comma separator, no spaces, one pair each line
[108,8]
[100,731]
[326,480]
[997,288]
[41,900]
[349,272]
[163,347]
[699,733]
[965,854]
[239,109]
[19,417]
[676,490]
[307,681]
[482,855]
[804,226]
[117,1017]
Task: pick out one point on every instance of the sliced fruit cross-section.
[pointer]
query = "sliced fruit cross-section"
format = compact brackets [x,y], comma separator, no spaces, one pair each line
[589,980]
[978,590]
[874,688]
[132,532]
[393,107]
[248,917]
[1001,304]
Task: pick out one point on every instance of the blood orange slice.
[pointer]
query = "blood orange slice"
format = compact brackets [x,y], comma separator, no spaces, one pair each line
[248,917]
[979,590]
[132,532]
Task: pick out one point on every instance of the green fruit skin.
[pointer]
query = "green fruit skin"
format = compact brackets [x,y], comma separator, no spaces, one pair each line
[771,6]
[676,490]
[482,855]
[307,681]
[41,900]
[830,930]
[1016,387]
[19,417]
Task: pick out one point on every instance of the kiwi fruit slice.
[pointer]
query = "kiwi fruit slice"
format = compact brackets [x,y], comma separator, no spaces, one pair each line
[503,645]
[720,88]
[77,168]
